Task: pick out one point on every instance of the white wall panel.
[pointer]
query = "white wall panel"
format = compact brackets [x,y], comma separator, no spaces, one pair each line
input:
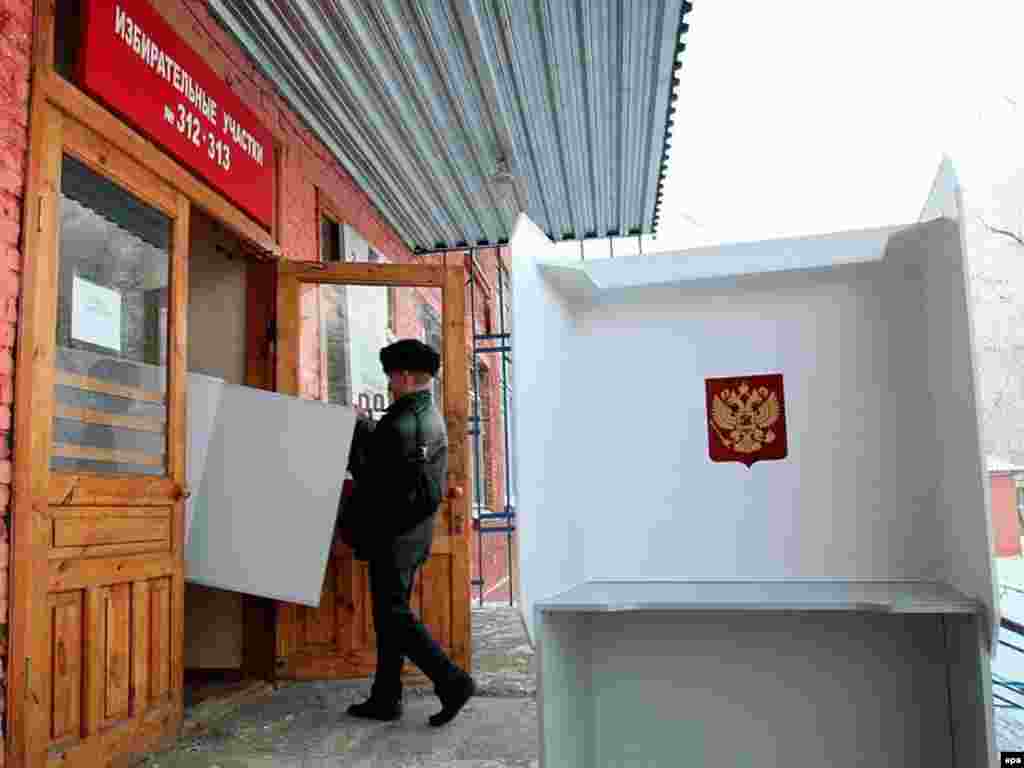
[548,516]
[264,510]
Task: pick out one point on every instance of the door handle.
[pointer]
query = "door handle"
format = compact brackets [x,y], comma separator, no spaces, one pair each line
[455,492]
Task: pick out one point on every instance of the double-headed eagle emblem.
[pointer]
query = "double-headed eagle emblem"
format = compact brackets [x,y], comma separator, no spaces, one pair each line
[746,419]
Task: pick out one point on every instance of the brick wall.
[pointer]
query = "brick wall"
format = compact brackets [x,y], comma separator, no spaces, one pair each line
[1005,523]
[489,552]
[306,166]
[15,56]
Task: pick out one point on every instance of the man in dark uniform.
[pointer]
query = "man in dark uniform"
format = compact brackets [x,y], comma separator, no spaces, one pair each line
[400,475]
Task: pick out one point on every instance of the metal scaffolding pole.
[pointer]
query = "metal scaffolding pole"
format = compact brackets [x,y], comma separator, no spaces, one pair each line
[504,423]
[495,343]
[475,431]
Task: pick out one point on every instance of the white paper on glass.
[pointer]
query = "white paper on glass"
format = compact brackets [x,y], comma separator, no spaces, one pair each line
[263,510]
[96,314]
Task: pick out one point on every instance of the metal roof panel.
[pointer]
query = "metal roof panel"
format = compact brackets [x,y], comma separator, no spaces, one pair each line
[421,102]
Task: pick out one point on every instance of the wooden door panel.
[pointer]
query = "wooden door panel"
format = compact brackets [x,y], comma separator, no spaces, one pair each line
[141,643]
[66,613]
[110,659]
[98,499]
[118,625]
[320,625]
[160,624]
[435,579]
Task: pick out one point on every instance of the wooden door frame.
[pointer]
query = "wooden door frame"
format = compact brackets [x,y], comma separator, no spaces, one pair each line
[37,489]
[59,110]
[451,280]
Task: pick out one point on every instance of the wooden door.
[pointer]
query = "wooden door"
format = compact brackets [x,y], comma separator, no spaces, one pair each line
[332,320]
[95,664]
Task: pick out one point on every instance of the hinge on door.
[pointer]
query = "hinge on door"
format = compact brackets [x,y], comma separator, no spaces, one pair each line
[271,331]
[28,679]
[42,213]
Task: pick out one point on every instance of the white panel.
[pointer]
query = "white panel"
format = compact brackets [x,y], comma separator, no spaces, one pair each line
[942,200]
[817,252]
[264,514]
[564,675]
[550,536]
[771,691]
[962,508]
[777,595]
[970,682]
[203,399]
[855,496]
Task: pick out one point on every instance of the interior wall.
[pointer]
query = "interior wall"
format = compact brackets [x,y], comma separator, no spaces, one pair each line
[854,497]
[216,347]
[216,305]
[548,513]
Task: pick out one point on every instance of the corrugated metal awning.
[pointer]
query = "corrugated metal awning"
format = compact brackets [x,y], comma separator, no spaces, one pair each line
[454,115]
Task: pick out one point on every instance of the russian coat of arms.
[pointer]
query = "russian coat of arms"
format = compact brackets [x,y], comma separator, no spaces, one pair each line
[746,418]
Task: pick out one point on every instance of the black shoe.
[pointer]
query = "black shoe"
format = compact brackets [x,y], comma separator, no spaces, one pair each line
[373,709]
[453,700]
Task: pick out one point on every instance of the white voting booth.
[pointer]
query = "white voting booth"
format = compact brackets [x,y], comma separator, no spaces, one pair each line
[835,607]
[265,471]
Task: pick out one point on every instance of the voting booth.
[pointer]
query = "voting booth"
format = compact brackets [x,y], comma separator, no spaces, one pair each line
[753,521]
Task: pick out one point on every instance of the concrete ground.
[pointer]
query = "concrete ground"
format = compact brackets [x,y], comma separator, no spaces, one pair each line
[305,725]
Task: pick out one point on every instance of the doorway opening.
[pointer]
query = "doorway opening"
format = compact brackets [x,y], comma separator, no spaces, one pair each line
[225,633]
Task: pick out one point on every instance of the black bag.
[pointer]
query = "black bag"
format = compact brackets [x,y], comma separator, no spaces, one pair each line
[346,529]
[348,516]
[354,521]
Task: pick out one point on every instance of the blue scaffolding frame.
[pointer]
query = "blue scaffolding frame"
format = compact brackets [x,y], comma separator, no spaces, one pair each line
[491,344]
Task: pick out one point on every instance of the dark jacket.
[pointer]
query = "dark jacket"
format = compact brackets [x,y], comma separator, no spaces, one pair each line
[400,467]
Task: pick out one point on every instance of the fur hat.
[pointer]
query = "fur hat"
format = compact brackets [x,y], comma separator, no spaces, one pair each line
[410,355]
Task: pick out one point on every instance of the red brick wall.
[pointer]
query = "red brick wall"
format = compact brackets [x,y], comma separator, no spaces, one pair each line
[1004,515]
[15,56]
[306,166]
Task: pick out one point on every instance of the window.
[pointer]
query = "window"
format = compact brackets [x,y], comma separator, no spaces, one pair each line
[331,241]
[431,325]
[112,338]
[479,435]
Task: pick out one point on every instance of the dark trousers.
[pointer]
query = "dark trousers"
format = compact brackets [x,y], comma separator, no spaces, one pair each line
[401,635]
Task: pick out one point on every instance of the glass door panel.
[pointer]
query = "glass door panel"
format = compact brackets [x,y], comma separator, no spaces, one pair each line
[110,412]
[356,322]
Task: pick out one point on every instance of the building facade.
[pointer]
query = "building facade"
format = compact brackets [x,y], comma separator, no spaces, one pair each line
[126,262]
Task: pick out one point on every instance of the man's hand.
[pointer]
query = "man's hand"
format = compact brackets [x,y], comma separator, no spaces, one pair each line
[362,413]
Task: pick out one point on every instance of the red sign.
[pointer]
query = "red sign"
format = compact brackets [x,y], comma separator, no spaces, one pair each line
[135,62]
[746,418]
